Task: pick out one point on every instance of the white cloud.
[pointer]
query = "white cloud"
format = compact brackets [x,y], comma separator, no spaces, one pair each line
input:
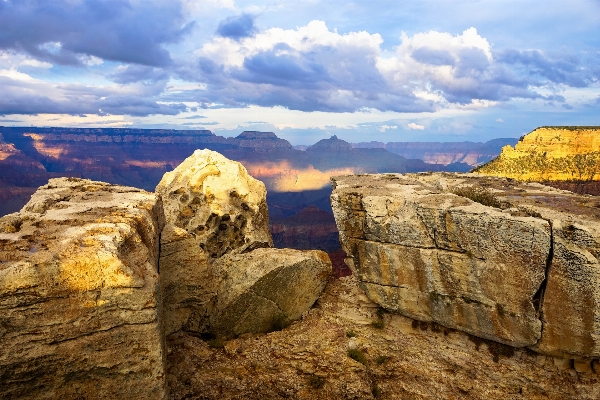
[415,127]
[500,120]
[384,128]
[231,53]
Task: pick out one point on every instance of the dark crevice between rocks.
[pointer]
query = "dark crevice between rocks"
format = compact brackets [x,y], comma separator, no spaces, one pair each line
[538,297]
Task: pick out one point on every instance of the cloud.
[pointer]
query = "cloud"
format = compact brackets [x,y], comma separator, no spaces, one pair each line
[22,94]
[79,32]
[500,120]
[126,74]
[238,27]
[384,128]
[312,68]
[415,127]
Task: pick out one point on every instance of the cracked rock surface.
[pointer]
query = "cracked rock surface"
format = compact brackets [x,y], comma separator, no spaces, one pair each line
[220,274]
[521,269]
[79,293]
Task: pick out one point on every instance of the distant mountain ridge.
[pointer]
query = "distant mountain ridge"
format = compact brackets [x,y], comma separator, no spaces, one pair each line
[444,153]
[29,156]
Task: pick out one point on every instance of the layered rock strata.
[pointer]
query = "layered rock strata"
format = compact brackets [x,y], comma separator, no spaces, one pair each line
[550,154]
[79,294]
[521,270]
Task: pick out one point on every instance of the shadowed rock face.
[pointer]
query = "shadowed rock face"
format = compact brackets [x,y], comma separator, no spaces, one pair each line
[79,296]
[266,289]
[524,272]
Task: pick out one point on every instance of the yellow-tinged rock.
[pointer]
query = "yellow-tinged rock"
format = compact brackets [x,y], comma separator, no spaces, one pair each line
[550,154]
[79,293]
[213,207]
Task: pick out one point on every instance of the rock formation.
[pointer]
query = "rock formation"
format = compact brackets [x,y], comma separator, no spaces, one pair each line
[212,208]
[266,289]
[550,154]
[521,269]
[214,278]
[79,294]
[347,347]
[465,155]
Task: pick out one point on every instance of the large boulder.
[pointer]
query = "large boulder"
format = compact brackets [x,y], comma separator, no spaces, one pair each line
[514,269]
[79,294]
[266,289]
[216,253]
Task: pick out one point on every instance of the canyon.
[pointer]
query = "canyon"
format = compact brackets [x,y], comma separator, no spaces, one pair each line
[462,286]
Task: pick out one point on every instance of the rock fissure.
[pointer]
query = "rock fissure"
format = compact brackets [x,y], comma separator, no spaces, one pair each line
[538,297]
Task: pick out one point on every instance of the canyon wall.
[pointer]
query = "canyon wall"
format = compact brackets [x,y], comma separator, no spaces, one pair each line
[460,156]
[550,154]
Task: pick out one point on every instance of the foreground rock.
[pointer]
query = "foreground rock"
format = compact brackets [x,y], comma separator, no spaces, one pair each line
[212,207]
[517,270]
[266,289]
[78,294]
[219,272]
[400,358]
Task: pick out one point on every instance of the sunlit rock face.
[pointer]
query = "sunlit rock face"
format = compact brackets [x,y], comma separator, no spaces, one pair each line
[212,207]
[521,269]
[79,294]
[550,154]
[220,274]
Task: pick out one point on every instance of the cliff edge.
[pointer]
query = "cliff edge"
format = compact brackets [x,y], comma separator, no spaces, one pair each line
[550,154]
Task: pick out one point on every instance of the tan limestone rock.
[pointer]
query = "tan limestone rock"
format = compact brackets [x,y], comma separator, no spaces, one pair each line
[79,294]
[429,254]
[550,154]
[212,207]
[522,270]
[266,289]
[403,359]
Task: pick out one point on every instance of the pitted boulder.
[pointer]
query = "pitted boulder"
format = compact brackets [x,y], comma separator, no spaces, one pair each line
[213,207]
[266,289]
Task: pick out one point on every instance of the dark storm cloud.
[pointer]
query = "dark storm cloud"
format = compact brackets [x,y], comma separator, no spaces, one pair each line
[237,27]
[118,30]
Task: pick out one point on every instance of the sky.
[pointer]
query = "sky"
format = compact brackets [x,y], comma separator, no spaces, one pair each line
[376,70]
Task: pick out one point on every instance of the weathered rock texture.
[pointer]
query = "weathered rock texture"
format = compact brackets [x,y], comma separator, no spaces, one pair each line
[266,289]
[216,276]
[550,154]
[79,314]
[403,359]
[523,273]
[212,208]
